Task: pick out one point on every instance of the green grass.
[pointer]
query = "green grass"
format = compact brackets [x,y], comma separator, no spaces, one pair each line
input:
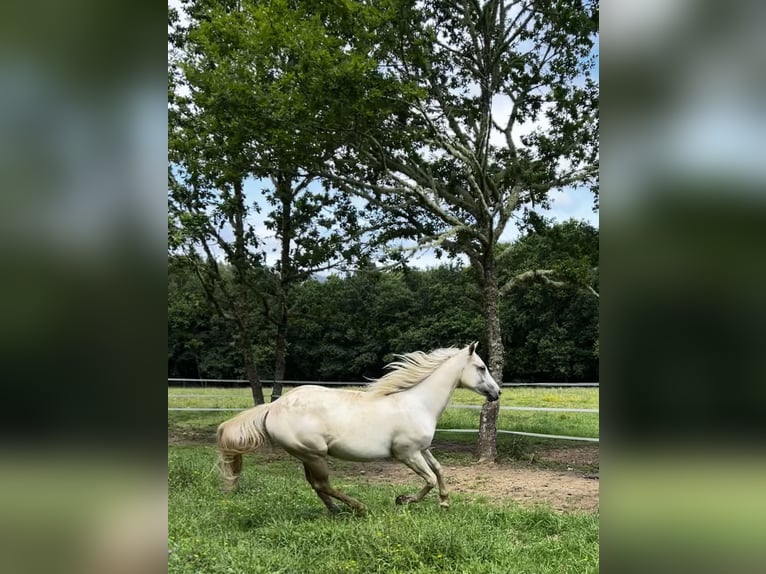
[276,524]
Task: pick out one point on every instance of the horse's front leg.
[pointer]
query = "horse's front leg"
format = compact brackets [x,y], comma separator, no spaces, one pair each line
[417,462]
[437,468]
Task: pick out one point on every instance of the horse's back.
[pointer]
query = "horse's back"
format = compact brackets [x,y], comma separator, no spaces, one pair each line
[316,395]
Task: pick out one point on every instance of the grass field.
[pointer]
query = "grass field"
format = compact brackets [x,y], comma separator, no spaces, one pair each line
[276,524]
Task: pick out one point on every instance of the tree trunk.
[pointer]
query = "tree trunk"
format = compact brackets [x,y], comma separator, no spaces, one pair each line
[280,353]
[285,194]
[487,447]
[250,369]
[241,305]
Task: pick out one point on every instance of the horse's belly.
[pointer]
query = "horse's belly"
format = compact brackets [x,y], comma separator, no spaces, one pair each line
[356,448]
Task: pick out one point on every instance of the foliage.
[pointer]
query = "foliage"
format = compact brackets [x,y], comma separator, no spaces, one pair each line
[348,327]
[201,343]
[552,329]
[569,249]
[267,90]
[262,91]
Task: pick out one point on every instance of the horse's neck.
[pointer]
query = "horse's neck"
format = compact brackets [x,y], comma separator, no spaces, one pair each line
[435,390]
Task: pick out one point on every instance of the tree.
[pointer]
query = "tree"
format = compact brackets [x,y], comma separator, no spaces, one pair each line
[450,163]
[208,166]
[187,321]
[316,232]
[346,328]
[261,78]
[200,342]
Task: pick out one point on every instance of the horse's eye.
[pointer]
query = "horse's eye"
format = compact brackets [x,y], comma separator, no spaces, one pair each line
[482,368]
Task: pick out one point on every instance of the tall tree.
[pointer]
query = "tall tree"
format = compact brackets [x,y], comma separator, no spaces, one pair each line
[209,162]
[268,89]
[505,111]
[317,231]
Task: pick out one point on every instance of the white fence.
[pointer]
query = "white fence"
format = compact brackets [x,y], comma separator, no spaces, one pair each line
[270,382]
[449,406]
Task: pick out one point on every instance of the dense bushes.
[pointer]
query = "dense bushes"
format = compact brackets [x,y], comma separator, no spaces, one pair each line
[347,328]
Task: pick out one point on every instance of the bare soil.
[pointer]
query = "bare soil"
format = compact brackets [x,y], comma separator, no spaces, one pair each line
[529,485]
[564,478]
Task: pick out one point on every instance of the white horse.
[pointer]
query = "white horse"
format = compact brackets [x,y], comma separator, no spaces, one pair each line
[395,417]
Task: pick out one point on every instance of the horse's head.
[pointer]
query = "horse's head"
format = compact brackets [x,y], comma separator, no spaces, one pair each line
[476,377]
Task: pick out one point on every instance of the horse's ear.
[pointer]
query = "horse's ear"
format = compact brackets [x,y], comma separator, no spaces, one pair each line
[472,347]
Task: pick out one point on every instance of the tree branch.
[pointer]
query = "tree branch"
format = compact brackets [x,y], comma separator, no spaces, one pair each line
[541,275]
[529,277]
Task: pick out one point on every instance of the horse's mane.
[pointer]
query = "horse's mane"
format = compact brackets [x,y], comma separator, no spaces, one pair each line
[410,370]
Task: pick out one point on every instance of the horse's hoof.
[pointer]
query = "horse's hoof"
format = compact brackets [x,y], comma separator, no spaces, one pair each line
[403,499]
[444,505]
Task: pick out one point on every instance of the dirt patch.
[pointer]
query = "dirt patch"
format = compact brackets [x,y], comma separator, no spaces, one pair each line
[190,438]
[569,489]
[586,456]
[562,490]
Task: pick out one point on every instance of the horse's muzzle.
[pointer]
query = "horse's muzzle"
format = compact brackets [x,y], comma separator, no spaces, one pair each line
[492,396]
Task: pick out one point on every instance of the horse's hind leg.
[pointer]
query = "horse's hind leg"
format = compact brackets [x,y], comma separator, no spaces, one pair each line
[321,475]
[417,462]
[331,506]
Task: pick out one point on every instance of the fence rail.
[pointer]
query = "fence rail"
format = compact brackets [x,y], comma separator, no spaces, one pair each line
[361,384]
[541,409]
[523,433]
[449,406]
[269,382]
[499,431]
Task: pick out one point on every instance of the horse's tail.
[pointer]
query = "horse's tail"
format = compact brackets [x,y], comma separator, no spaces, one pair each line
[241,434]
